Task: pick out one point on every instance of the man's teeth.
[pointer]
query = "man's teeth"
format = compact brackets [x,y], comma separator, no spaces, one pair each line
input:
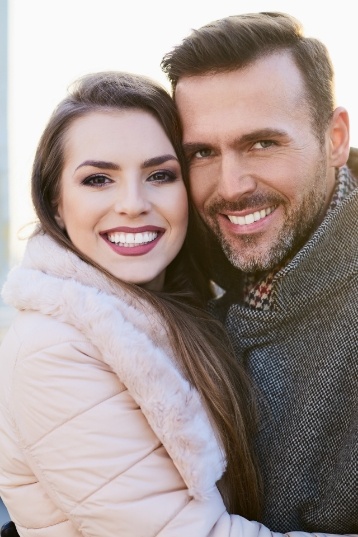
[132,239]
[250,218]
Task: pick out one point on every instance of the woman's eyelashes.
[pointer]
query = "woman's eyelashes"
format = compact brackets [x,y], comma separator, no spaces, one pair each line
[158,177]
[96,180]
[162,176]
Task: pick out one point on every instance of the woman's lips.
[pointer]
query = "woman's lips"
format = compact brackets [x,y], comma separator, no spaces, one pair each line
[133,241]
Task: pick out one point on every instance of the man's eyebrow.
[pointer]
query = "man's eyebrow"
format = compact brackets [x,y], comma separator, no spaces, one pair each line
[192,147]
[102,164]
[254,136]
[261,134]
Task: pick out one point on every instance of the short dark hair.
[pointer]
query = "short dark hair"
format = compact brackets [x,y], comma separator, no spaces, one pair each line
[234,42]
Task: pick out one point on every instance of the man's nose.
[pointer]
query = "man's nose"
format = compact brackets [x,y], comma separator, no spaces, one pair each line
[235,179]
[132,199]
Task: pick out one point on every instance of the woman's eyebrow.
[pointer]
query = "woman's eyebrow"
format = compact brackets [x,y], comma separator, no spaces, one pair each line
[155,161]
[102,164]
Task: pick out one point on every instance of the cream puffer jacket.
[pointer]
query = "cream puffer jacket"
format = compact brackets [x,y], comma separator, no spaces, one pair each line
[100,434]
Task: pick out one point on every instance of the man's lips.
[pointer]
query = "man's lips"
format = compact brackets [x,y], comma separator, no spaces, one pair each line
[250,218]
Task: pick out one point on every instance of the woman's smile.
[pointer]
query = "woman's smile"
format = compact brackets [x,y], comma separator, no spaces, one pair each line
[133,241]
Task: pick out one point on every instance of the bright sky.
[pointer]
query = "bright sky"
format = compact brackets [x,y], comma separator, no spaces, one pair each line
[51,43]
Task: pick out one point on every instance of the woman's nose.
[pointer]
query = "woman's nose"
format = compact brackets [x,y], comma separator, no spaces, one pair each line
[132,199]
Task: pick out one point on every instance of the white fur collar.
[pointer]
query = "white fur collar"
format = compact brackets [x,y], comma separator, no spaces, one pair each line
[56,282]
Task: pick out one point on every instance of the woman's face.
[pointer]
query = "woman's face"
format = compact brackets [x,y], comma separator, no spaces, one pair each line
[123,202]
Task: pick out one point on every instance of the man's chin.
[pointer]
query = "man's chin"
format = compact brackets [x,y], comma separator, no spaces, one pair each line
[256,260]
[249,266]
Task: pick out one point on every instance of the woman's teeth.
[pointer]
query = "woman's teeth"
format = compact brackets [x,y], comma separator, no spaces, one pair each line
[132,239]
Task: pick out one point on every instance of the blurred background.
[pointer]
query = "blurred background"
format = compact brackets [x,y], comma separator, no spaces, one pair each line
[45,45]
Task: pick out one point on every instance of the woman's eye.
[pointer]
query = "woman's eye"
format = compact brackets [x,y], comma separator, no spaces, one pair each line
[96,180]
[164,176]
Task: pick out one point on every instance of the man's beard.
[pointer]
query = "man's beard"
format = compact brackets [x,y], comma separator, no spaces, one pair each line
[246,252]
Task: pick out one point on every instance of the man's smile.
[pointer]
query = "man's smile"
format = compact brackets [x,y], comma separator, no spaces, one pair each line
[251,217]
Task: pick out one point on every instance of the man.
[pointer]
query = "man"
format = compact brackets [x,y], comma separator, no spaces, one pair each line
[267,150]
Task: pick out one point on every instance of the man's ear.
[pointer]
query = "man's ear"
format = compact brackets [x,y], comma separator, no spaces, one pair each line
[339,138]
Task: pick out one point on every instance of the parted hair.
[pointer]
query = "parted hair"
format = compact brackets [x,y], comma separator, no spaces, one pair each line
[237,41]
[201,347]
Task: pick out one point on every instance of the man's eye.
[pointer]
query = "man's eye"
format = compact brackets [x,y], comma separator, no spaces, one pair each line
[203,153]
[96,180]
[263,144]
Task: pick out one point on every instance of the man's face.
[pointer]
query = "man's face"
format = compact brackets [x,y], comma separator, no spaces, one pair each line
[259,176]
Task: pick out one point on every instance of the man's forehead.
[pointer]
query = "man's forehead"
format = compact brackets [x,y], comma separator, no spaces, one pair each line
[270,89]
[189,86]
[277,62]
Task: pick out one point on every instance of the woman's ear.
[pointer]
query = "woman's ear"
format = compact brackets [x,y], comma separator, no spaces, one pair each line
[59,219]
[339,138]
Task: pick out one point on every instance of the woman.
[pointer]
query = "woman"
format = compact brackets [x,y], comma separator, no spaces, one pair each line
[120,405]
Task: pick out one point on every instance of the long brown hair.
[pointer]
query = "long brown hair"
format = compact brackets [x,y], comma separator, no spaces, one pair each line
[200,344]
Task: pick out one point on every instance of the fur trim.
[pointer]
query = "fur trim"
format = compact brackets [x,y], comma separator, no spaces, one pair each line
[172,408]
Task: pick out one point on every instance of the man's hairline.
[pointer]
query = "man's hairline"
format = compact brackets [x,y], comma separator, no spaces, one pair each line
[230,69]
